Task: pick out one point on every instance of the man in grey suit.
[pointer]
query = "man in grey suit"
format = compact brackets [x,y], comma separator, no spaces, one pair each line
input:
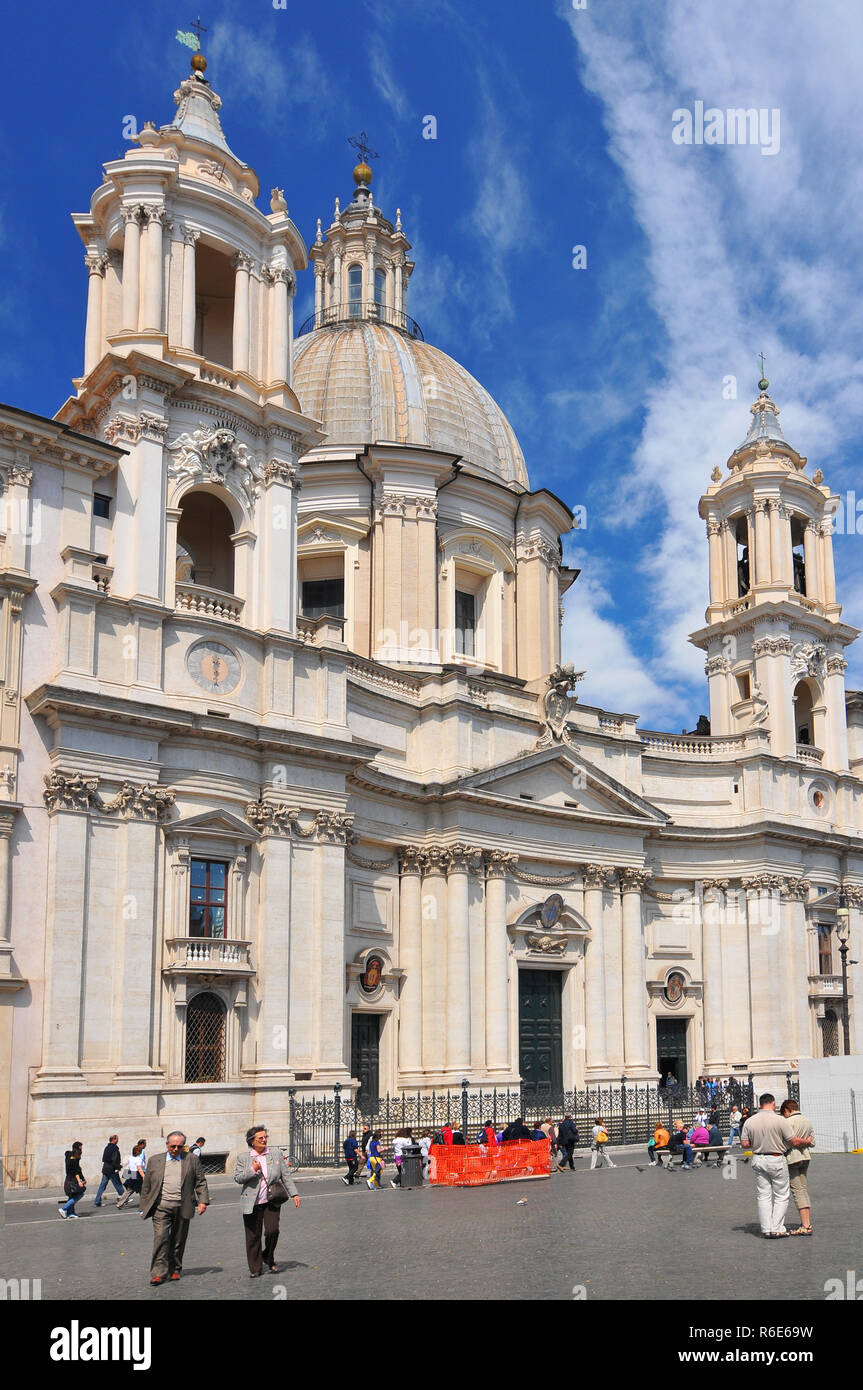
[173,1183]
[257,1172]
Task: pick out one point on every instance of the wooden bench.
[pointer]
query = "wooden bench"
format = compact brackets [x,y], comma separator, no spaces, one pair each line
[696,1150]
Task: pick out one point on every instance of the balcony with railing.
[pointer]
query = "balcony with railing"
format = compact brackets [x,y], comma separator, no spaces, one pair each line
[808,754]
[208,603]
[829,986]
[202,955]
[357,310]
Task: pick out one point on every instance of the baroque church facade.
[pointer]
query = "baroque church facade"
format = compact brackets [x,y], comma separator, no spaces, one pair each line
[295,786]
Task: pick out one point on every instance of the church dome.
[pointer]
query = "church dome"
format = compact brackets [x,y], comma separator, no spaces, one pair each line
[370,383]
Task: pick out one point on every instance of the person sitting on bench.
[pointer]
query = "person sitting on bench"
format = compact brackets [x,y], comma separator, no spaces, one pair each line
[657,1145]
[678,1144]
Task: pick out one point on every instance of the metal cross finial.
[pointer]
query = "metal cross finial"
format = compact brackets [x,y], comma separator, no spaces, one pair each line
[199,30]
[362,145]
[761,360]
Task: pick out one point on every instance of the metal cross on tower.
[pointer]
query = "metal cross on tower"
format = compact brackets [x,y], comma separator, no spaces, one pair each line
[361,144]
[199,30]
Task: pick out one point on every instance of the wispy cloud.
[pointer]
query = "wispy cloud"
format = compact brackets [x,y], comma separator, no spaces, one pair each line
[250,62]
[743,253]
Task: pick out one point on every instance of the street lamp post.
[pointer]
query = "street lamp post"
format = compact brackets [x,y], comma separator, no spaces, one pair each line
[843,933]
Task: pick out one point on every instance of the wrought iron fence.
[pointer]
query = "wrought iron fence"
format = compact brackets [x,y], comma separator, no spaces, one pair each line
[318,1125]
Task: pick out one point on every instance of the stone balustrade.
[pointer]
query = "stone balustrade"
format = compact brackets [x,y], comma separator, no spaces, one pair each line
[207,956]
[689,746]
[209,603]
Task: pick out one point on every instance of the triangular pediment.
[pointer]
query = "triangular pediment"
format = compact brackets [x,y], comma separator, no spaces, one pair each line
[560,778]
[216,823]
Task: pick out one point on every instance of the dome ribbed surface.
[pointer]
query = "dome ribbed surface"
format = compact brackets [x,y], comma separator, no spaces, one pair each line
[369,383]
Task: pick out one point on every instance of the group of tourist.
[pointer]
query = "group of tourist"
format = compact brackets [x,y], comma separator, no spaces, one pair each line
[126,1177]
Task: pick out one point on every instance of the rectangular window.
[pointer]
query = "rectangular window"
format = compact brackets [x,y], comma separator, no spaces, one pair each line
[101,504]
[208,898]
[825,949]
[323,596]
[465,623]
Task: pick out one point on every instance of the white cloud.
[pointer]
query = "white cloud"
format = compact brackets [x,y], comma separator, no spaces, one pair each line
[744,252]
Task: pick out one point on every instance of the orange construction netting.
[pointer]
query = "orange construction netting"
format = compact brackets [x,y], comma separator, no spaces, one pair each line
[472,1165]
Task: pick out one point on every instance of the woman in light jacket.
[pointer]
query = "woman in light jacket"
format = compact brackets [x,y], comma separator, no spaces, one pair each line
[256,1171]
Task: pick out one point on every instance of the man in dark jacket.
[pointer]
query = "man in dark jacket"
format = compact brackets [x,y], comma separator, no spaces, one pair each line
[174,1190]
[112,1162]
[567,1138]
[516,1130]
[716,1141]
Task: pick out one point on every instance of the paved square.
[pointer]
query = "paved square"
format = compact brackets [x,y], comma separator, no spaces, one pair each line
[621,1234]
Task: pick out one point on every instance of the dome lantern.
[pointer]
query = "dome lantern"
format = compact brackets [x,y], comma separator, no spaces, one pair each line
[361,264]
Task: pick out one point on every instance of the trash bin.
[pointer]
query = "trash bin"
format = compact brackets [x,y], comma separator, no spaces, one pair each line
[412,1166]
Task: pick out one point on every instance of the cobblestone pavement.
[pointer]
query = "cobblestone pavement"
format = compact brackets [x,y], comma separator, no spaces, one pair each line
[630,1233]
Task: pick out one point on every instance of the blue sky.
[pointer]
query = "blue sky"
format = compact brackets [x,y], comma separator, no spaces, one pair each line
[553,130]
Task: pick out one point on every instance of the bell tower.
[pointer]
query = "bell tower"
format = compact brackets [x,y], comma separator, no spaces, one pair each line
[774,640]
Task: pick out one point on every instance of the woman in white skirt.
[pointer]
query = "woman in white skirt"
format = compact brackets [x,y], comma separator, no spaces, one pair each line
[598,1144]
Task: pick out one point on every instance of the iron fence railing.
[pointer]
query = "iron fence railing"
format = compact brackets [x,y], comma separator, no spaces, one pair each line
[319,1124]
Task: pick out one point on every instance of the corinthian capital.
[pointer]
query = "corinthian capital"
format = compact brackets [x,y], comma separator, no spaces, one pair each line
[96,262]
[498,863]
[462,859]
[635,880]
[154,212]
[410,859]
[598,876]
[71,791]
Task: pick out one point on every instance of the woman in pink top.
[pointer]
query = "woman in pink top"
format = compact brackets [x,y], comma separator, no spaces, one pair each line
[700,1139]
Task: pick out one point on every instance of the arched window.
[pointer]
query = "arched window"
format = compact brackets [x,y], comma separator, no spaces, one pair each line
[830,1034]
[798,526]
[205,1039]
[380,288]
[804,732]
[204,532]
[355,291]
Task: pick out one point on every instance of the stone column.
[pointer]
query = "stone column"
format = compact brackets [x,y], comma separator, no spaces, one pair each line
[131,267]
[95,261]
[836,750]
[780,542]
[796,1040]
[595,876]
[765,966]
[613,934]
[7,825]
[278,275]
[729,545]
[69,796]
[811,545]
[138,945]
[398,294]
[410,961]
[828,571]
[277,594]
[319,295]
[497,1057]
[717,669]
[337,277]
[717,575]
[461,859]
[151,308]
[635,1031]
[189,309]
[331,1002]
[271,947]
[762,570]
[434,964]
[369,275]
[242,267]
[712,899]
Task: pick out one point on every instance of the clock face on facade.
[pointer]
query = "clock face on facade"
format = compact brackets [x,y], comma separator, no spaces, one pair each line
[215,667]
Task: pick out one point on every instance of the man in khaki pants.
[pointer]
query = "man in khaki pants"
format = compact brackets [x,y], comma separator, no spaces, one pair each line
[770,1137]
[798,1165]
[174,1189]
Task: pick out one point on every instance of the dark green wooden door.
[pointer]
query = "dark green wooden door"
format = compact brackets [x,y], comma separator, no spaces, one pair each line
[671,1049]
[540,1047]
[365,1056]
